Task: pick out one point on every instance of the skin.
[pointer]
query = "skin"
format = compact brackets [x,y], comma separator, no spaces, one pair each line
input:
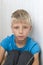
[21,31]
[2,52]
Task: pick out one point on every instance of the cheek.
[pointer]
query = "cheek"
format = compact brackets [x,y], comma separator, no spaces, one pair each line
[26,32]
[15,32]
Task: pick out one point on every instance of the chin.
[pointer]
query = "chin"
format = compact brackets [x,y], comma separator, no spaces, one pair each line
[21,39]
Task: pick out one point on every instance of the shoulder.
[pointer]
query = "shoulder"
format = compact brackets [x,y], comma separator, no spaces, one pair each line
[5,42]
[7,38]
[31,42]
[33,46]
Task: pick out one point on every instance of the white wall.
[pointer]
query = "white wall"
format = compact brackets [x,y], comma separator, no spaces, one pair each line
[0,19]
[34,7]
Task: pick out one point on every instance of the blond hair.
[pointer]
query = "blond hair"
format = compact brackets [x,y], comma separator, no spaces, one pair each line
[22,15]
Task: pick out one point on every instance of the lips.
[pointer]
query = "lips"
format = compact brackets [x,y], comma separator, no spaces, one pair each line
[20,36]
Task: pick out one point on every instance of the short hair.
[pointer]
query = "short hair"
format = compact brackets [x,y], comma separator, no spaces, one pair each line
[21,14]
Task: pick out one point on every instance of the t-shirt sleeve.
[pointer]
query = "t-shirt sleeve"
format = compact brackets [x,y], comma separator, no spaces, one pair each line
[35,49]
[4,43]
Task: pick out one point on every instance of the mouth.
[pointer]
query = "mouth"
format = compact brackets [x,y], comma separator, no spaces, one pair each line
[20,36]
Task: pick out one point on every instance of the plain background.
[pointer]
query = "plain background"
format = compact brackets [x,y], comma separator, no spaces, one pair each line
[34,7]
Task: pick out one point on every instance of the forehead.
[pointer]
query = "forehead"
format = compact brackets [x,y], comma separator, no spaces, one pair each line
[20,24]
[17,21]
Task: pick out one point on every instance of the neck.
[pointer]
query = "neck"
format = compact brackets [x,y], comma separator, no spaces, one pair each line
[20,42]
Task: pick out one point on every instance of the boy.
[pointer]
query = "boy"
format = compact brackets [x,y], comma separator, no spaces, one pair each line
[19,45]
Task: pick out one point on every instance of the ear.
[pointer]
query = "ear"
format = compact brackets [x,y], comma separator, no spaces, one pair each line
[30,28]
[11,28]
[11,25]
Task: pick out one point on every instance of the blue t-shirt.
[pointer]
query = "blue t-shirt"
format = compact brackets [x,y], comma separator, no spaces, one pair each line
[9,44]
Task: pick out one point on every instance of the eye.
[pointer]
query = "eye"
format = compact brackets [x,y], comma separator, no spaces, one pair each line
[16,27]
[25,27]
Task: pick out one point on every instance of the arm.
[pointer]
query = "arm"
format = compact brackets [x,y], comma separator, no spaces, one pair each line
[2,51]
[36,59]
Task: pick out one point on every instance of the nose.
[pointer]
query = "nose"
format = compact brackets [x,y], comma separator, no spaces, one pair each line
[20,30]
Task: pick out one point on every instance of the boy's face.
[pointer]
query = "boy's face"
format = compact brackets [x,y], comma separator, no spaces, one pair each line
[20,29]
